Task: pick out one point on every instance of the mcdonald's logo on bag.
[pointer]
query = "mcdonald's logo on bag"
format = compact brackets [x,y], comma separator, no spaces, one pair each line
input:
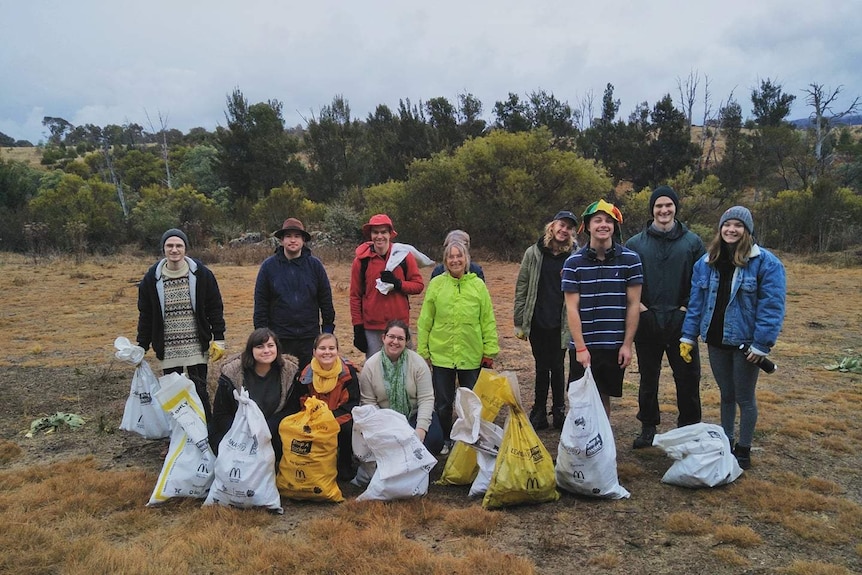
[532,484]
[578,475]
[300,475]
[235,474]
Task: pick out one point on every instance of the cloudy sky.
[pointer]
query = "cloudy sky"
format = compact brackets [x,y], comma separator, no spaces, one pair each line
[111,62]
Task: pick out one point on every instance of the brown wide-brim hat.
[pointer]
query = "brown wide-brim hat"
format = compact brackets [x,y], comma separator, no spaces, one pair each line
[292,225]
[378,220]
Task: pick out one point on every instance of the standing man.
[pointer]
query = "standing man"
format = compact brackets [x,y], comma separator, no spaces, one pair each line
[292,295]
[602,286]
[540,316]
[668,251]
[181,314]
[372,308]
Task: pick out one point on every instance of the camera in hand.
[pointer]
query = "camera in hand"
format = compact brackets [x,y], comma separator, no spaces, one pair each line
[765,363]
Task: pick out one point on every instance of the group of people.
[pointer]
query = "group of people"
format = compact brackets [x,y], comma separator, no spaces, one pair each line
[601,302]
[293,354]
[657,293]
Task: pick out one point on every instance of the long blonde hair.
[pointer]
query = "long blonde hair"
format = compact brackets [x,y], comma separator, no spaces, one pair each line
[549,240]
[740,254]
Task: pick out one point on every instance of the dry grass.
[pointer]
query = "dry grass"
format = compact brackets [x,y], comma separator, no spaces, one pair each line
[28,155]
[815,568]
[800,502]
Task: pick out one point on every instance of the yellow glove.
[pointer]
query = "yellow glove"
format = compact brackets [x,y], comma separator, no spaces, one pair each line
[519,333]
[216,350]
[685,351]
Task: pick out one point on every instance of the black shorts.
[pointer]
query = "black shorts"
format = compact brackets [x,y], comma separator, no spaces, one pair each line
[606,370]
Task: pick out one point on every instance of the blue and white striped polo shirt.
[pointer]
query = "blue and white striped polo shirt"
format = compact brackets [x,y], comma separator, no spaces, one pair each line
[602,288]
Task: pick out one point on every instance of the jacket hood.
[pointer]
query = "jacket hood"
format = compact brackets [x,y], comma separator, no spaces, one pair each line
[365,250]
[304,253]
[676,232]
[193,266]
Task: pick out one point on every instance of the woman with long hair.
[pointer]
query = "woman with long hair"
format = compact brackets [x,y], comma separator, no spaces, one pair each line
[540,316]
[268,377]
[398,378]
[737,299]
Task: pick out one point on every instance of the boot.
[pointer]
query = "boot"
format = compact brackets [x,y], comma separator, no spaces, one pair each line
[559,415]
[743,456]
[645,438]
[539,417]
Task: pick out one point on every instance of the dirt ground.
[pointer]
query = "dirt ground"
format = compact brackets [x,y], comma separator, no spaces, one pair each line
[58,322]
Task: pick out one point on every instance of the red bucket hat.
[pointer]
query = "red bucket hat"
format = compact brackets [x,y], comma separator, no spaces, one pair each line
[378,220]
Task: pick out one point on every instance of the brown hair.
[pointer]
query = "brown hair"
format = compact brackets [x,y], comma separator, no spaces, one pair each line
[324,336]
[398,323]
[259,337]
[740,254]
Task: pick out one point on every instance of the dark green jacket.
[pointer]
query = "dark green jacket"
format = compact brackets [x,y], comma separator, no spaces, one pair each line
[668,259]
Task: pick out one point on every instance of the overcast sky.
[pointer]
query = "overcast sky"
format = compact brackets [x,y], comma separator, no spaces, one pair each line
[110,62]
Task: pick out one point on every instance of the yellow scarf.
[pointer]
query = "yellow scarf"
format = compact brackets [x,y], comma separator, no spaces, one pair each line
[324,380]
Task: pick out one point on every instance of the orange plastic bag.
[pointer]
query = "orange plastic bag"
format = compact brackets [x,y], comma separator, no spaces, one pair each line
[307,469]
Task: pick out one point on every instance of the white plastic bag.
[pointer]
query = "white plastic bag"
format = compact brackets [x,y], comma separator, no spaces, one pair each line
[702,453]
[383,437]
[396,256]
[245,466]
[483,436]
[189,465]
[587,456]
[143,413]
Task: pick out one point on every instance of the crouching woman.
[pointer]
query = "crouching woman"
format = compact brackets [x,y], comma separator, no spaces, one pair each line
[335,381]
[398,378]
[266,374]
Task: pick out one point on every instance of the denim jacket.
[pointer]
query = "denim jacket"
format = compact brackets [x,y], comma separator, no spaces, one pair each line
[755,312]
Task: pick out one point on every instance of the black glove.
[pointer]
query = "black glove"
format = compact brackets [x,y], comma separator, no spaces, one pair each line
[389,277]
[360,342]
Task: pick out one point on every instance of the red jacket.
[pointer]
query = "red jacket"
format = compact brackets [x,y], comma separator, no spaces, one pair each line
[368,306]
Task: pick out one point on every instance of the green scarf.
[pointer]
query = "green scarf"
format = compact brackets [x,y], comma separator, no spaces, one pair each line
[393,383]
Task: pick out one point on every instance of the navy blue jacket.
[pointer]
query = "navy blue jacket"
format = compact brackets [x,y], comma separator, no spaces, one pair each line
[293,297]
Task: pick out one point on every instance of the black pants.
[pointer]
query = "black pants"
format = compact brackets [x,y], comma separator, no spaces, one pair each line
[443,379]
[198,374]
[686,376]
[300,348]
[550,367]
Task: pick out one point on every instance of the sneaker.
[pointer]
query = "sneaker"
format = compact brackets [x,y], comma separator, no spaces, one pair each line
[645,438]
[447,447]
[539,418]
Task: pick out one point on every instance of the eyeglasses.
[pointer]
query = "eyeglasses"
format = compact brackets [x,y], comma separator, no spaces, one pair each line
[391,337]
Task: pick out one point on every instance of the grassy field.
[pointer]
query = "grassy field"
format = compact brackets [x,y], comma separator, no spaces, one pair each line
[74,501]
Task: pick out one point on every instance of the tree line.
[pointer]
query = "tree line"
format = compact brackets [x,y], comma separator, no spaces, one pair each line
[437,165]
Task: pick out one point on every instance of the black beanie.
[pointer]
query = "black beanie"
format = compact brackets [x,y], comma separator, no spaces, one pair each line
[663,191]
[175,232]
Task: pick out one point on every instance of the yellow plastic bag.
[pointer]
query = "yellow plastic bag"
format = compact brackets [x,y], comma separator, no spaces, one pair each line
[524,472]
[461,466]
[307,469]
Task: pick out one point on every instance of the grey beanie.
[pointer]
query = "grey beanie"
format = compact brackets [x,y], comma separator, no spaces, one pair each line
[740,213]
[175,232]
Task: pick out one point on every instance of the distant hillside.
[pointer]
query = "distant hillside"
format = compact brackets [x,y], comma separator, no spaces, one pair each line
[851,120]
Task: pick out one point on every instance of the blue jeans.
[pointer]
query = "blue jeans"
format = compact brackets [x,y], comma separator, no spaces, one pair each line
[736,378]
[434,437]
[443,379]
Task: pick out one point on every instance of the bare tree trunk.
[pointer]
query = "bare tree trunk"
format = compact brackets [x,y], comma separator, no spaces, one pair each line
[114,180]
[163,124]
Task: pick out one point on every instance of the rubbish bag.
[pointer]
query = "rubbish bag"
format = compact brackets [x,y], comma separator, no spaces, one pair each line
[401,462]
[188,467]
[484,437]
[245,466]
[143,413]
[307,468]
[587,455]
[461,466]
[524,471]
[702,453]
